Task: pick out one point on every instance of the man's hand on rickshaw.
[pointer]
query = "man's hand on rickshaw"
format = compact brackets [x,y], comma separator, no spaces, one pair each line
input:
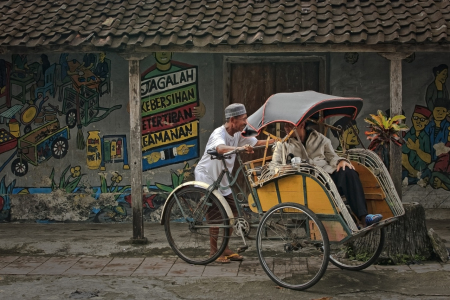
[344,164]
[248,149]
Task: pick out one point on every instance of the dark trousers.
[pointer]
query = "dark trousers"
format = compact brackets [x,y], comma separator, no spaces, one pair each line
[348,184]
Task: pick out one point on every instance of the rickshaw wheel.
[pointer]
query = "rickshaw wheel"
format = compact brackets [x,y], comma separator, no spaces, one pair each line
[19,167]
[292,246]
[71,118]
[190,237]
[360,252]
[60,147]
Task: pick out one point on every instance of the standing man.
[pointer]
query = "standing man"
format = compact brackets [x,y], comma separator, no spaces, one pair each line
[224,139]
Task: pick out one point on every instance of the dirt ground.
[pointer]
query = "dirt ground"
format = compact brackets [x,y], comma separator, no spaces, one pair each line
[426,281]
[334,285]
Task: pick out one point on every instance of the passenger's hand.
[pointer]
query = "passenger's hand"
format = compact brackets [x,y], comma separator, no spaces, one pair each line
[344,164]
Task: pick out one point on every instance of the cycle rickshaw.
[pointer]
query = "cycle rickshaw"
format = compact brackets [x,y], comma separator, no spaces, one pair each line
[303,223]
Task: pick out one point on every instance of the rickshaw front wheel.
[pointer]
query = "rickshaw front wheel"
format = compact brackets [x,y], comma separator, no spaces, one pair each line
[197,230]
[292,246]
[360,252]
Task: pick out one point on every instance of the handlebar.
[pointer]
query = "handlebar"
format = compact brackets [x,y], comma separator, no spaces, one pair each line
[215,154]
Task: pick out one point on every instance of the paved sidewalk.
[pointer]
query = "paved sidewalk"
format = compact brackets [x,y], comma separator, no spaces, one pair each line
[159,267]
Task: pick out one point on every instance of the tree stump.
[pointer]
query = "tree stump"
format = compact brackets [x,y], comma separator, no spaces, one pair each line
[407,239]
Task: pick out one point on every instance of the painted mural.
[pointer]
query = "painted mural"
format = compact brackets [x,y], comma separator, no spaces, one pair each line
[349,136]
[60,129]
[170,126]
[42,99]
[425,153]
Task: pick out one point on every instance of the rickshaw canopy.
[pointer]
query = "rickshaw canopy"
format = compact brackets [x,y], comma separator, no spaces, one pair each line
[296,107]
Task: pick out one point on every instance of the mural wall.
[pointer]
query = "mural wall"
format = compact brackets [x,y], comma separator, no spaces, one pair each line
[64,128]
[426,104]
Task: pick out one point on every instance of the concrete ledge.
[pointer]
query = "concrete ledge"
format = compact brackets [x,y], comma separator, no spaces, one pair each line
[437,213]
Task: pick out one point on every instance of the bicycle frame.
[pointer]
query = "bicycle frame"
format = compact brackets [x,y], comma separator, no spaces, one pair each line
[231,183]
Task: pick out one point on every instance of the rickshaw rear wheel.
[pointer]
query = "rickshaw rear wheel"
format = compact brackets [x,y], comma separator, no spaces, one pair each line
[190,237]
[360,252]
[292,246]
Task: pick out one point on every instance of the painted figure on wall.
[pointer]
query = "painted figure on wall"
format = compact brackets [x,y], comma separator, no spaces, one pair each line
[102,69]
[349,136]
[438,128]
[20,64]
[89,61]
[437,88]
[416,151]
[441,171]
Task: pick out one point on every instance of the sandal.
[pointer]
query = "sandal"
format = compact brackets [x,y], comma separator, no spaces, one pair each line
[234,257]
[222,260]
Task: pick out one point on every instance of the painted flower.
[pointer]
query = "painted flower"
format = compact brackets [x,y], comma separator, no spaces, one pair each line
[116,177]
[76,171]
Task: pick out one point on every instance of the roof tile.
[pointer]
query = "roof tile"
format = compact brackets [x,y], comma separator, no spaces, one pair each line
[205,22]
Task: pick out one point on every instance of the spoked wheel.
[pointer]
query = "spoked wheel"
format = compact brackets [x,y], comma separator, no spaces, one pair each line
[19,167]
[71,118]
[60,147]
[360,252]
[292,246]
[204,222]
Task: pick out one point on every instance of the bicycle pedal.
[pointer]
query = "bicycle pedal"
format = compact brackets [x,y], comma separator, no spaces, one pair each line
[242,249]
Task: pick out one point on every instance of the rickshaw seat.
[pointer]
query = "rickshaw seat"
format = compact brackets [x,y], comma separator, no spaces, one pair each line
[374,194]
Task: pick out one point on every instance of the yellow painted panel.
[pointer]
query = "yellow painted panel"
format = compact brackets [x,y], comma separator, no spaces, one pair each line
[291,189]
[318,200]
[267,195]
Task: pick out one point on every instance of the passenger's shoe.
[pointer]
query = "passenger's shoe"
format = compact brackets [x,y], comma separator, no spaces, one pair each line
[372,219]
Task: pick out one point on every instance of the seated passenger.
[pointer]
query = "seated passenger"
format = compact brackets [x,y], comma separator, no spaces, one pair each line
[317,150]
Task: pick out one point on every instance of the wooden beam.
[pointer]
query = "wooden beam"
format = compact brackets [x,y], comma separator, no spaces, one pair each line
[136,148]
[254,48]
[395,152]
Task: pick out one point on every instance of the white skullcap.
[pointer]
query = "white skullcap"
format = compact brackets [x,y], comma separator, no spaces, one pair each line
[235,109]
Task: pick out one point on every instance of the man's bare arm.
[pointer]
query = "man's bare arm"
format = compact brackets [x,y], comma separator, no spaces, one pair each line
[221,149]
[263,142]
